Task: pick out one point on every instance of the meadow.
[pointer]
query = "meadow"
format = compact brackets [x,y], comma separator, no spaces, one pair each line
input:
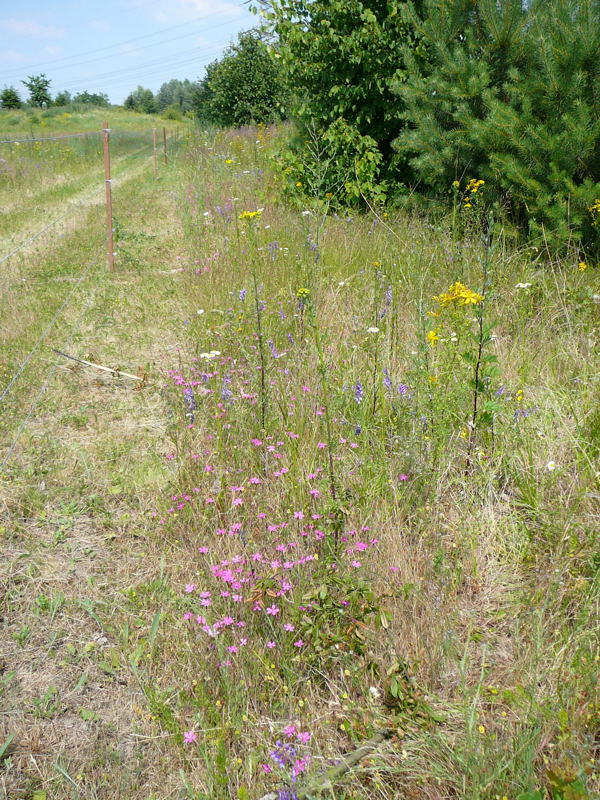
[353,498]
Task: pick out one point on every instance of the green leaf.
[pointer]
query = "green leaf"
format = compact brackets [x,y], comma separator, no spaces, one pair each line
[88,716]
[5,746]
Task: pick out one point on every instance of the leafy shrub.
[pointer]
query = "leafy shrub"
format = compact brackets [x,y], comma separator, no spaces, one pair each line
[342,60]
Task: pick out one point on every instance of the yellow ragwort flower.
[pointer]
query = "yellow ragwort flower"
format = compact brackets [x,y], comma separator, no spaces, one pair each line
[432,337]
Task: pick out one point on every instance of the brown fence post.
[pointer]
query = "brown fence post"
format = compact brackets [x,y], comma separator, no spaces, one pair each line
[108,186]
[165,143]
[154,151]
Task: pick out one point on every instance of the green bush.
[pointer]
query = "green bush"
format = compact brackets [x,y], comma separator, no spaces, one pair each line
[172,112]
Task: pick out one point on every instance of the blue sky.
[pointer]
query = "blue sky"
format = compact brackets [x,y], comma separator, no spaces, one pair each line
[113,46]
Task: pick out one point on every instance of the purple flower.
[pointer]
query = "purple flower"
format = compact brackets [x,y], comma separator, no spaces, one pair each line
[226,393]
[387,381]
[190,403]
[358,392]
[242,294]
[274,352]
[286,794]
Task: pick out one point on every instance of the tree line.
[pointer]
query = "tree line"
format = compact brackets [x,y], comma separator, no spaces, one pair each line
[412,102]
[245,85]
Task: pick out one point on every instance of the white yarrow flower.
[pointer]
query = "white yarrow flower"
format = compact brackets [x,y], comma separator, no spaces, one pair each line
[373,329]
[551,466]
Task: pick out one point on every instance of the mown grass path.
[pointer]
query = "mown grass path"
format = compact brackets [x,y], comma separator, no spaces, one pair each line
[74,494]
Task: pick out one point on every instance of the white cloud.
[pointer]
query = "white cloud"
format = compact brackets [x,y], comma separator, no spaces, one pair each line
[29,27]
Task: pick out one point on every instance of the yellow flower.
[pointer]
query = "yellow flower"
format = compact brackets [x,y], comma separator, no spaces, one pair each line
[229,160]
[249,215]
[432,337]
[298,183]
[460,295]
[456,184]
[582,266]
[481,730]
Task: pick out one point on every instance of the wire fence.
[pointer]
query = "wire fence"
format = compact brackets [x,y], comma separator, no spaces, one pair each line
[50,138]
[46,331]
[72,207]
[126,138]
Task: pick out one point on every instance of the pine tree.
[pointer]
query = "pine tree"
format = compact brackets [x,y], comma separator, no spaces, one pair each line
[508,92]
[9,98]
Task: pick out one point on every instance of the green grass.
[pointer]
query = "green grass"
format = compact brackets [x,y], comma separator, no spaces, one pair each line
[478,652]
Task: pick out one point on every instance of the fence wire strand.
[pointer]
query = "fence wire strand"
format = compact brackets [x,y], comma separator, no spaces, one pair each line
[50,138]
[46,382]
[46,330]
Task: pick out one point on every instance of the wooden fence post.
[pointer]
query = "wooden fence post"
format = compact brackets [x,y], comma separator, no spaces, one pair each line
[107,183]
[154,151]
[165,143]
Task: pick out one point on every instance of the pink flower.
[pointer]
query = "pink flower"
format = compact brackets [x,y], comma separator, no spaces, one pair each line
[402,477]
[266,768]
[299,643]
[273,610]
[355,563]
[190,587]
[298,515]
[290,730]
[288,626]
[321,445]
[237,501]
[189,737]
[256,442]
[203,549]
[271,645]
[303,737]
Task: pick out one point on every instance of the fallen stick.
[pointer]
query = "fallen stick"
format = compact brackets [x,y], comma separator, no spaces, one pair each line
[334,773]
[98,366]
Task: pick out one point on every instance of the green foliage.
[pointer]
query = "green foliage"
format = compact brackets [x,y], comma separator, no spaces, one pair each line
[9,98]
[141,100]
[175,93]
[343,60]
[97,99]
[63,98]
[508,93]
[337,164]
[245,86]
[38,86]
